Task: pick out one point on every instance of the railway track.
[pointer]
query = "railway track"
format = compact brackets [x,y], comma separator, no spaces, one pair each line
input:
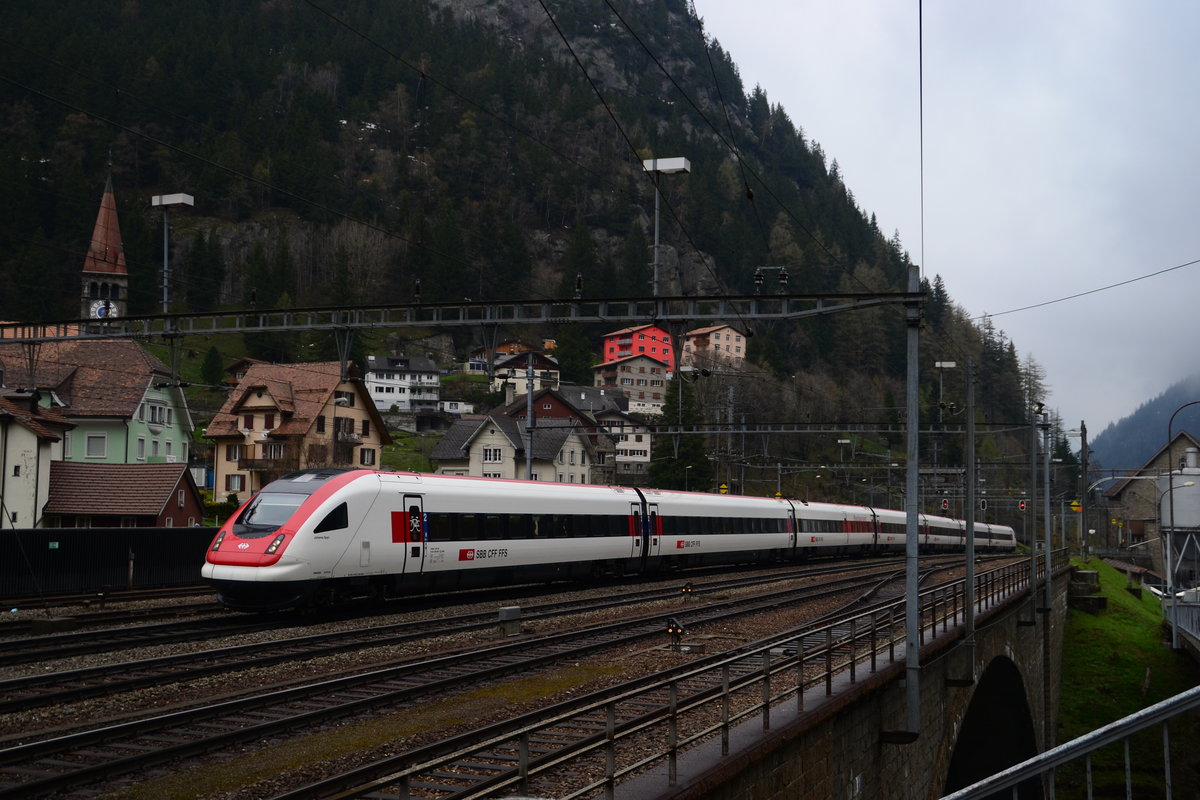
[579,748]
[64,763]
[62,687]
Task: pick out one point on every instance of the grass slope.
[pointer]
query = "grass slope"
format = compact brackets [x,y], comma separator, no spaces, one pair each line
[1114,664]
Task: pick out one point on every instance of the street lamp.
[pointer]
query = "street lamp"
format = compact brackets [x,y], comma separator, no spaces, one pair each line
[661,166]
[168,201]
[1171,502]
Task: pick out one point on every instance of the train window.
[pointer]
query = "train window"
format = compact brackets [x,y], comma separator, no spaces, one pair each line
[466,527]
[439,528]
[266,512]
[335,520]
[518,526]
[495,526]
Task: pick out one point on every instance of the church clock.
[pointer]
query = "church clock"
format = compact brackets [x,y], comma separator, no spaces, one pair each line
[103,309]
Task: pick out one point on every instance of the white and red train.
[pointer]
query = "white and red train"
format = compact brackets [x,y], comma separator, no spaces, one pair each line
[321,536]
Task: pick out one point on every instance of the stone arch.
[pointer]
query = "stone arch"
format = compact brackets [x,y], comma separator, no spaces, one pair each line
[997,731]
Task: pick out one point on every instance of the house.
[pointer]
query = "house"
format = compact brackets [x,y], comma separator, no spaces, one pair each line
[407,384]
[496,446]
[31,437]
[511,373]
[714,346]
[124,404]
[286,417]
[122,496]
[575,407]
[1132,513]
[643,380]
[455,408]
[481,361]
[639,340]
[633,443]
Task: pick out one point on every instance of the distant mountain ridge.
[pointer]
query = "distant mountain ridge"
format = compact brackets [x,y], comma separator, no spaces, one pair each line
[1131,441]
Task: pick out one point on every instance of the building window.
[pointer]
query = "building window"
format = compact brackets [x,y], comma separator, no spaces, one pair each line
[492,475]
[492,455]
[366,456]
[268,422]
[97,445]
[248,421]
[233,452]
[235,483]
[320,424]
[366,428]
[141,448]
[182,498]
[273,450]
[154,448]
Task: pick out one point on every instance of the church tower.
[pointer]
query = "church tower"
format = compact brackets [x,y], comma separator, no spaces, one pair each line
[105,279]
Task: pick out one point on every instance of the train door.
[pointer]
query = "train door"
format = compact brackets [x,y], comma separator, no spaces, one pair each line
[646,531]
[793,529]
[410,529]
[653,529]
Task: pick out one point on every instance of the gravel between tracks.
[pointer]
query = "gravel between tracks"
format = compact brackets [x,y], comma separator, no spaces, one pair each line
[633,661]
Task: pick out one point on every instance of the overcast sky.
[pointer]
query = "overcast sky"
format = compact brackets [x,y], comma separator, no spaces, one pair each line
[1061,155]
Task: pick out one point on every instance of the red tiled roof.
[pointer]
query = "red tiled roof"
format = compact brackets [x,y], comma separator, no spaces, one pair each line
[36,419]
[92,377]
[301,392]
[126,489]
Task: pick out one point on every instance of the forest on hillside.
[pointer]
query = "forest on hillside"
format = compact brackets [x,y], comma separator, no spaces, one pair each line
[345,152]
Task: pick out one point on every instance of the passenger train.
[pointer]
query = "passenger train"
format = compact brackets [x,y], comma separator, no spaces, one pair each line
[323,536]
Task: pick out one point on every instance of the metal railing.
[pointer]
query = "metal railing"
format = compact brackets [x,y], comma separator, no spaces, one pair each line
[655,724]
[1042,767]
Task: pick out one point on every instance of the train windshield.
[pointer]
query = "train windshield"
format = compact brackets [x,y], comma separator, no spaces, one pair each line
[266,512]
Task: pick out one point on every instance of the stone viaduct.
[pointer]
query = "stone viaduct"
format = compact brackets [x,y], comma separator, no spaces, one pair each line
[984,706]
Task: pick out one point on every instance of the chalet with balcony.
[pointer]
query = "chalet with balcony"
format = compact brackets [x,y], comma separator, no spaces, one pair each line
[286,417]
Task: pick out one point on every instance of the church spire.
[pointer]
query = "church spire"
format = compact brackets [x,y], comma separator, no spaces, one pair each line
[105,278]
[105,253]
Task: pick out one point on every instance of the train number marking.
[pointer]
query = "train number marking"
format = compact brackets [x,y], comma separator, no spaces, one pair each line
[683,544]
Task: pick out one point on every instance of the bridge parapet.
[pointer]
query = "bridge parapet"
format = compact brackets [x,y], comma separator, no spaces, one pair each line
[983,708]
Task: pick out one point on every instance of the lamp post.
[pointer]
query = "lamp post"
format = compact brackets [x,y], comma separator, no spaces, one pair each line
[168,201]
[661,166]
[1171,538]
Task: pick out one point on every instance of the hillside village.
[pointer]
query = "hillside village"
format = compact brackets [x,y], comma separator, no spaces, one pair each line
[98,432]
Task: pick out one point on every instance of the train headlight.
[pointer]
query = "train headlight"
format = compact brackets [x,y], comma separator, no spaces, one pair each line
[275,543]
[216,545]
